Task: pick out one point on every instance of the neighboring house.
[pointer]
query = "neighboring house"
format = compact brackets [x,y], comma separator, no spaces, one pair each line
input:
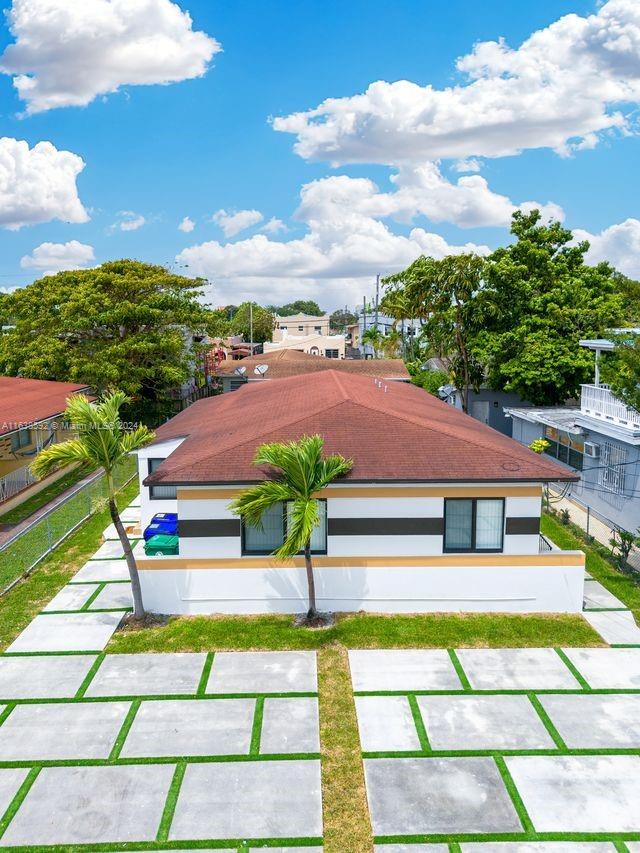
[285,363]
[485,405]
[599,441]
[439,512]
[306,333]
[384,324]
[30,419]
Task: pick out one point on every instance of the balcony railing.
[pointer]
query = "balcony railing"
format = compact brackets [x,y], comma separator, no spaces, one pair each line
[597,401]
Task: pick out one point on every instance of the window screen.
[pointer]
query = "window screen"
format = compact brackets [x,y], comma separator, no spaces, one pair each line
[157,493]
[458,525]
[473,524]
[489,525]
[268,537]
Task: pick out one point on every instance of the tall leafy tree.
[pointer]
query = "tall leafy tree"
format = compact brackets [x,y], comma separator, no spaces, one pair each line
[102,442]
[302,472]
[443,294]
[124,324]
[298,306]
[341,318]
[621,369]
[263,322]
[538,299]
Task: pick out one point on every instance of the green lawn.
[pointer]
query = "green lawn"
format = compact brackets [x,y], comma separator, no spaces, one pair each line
[34,503]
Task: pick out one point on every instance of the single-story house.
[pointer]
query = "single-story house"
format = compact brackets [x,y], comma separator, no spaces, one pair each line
[285,363]
[438,513]
[30,419]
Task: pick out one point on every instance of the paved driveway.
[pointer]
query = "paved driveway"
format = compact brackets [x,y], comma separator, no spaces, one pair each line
[501,749]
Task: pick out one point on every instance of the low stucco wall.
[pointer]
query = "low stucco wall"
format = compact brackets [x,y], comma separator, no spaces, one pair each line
[551,583]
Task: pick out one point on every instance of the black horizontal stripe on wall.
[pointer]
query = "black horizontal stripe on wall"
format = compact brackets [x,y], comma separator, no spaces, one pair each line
[385,526]
[195,528]
[522,526]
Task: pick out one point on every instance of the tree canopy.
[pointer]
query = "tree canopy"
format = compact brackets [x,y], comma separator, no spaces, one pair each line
[124,324]
[298,306]
[263,322]
[342,318]
[515,319]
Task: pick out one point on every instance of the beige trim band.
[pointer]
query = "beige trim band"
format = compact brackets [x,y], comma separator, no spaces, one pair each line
[480,491]
[548,558]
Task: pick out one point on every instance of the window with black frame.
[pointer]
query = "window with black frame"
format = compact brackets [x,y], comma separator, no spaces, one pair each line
[160,493]
[473,524]
[269,536]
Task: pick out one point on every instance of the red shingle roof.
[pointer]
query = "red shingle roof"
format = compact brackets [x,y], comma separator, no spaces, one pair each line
[398,434]
[283,363]
[25,401]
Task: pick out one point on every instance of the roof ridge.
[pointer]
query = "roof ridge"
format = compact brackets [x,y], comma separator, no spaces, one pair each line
[254,440]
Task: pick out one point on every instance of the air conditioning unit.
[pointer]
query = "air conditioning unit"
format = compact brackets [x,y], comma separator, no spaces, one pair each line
[592,450]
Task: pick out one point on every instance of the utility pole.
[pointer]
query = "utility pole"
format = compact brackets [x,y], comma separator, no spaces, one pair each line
[377,296]
[251,324]
[364,323]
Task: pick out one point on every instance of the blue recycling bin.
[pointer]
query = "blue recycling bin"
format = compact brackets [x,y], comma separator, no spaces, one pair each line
[162,524]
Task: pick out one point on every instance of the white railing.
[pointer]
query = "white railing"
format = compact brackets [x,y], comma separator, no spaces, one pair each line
[14,482]
[597,401]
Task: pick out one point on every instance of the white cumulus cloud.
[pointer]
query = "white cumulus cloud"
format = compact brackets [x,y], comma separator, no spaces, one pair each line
[187,225]
[128,220]
[274,226]
[562,89]
[619,244]
[67,52]
[54,257]
[232,223]
[38,184]
[334,262]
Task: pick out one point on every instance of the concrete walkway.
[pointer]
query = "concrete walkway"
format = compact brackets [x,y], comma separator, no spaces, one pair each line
[469,746]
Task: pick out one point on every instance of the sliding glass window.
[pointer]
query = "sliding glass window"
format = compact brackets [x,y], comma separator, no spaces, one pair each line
[473,524]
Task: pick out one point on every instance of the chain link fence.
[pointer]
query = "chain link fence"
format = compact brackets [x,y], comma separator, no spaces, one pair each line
[21,555]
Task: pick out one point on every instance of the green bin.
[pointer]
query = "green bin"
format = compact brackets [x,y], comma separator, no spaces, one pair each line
[162,545]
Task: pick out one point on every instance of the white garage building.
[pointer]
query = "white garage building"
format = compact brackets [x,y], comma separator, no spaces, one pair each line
[439,512]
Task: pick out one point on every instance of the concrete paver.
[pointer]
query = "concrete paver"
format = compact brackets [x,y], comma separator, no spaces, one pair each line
[538,847]
[515,669]
[597,596]
[596,721]
[402,669]
[290,725]
[607,669]
[109,550]
[10,780]
[147,674]
[419,796]
[249,799]
[43,677]
[483,722]
[386,724]
[102,570]
[190,727]
[263,672]
[61,731]
[617,627]
[92,805]
[68,632]
[71,597]
[586,793]
[114,595]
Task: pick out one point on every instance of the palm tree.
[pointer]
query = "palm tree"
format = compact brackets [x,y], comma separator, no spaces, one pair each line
[303,472]
[101,442]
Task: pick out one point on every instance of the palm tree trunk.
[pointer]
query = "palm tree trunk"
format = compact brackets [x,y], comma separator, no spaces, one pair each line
[138,607]
[311,584]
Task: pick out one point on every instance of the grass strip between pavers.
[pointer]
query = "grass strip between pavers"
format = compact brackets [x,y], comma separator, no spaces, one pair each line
[256,728]
[124,730]
[462,675]
[93,596]
[418,722]
[15,804]
[171,802]
[554,734]
[579,677]
[95,666]
[206,672]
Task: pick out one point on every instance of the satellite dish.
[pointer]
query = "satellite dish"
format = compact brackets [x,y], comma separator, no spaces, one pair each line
[261,369]
[240,371]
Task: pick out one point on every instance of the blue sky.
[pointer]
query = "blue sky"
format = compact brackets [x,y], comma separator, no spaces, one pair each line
[206,143]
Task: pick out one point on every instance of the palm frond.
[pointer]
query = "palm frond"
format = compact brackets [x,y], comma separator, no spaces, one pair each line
[59,456]
[136,439]
[256,500]
[302,519]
